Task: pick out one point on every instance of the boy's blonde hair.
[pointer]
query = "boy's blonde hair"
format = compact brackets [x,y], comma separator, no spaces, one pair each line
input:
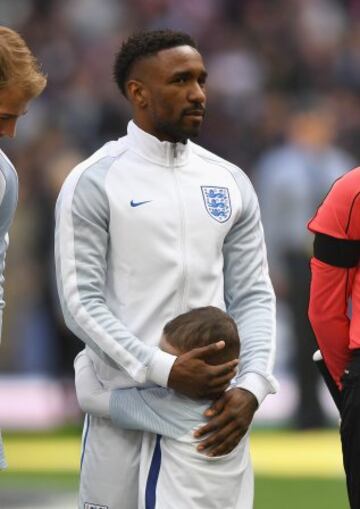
[18,66]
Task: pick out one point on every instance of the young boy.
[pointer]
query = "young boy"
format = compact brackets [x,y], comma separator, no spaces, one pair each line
[172,471]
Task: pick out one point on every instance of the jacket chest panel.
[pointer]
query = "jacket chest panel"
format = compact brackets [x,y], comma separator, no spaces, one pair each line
[156,211]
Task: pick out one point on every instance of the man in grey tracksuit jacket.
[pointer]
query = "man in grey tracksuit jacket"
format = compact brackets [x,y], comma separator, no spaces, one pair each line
[148,227]
[21,80]
[8,201]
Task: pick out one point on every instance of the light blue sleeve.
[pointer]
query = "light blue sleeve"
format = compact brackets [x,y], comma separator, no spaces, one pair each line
[8,202]
[249,295]
[157,410]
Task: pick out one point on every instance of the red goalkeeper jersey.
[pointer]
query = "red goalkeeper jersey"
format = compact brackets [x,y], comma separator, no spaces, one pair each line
[334,308]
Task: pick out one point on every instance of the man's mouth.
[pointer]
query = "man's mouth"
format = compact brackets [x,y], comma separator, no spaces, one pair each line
[194,113]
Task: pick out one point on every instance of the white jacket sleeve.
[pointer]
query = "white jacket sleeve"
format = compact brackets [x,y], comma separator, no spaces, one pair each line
[249,295]
[81,248]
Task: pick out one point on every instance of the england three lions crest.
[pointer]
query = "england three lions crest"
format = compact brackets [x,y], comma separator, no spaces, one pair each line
[217,202]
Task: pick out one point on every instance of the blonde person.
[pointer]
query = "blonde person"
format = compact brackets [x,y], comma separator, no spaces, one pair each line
[21,80]
[172,471]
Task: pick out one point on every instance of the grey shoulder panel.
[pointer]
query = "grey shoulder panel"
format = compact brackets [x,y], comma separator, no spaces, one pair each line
[90,199]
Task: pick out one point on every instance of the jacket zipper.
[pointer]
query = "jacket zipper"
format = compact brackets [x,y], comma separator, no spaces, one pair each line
[182,280]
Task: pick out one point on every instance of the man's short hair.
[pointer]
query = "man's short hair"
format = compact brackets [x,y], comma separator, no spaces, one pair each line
[142,45]
[201,327]
[18,66]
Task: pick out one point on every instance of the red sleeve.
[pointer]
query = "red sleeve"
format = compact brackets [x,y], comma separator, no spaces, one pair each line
[329,293]
[331,287]
[355,312]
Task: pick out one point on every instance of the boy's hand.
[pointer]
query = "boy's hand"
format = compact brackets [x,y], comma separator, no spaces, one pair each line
[192,376]
[230,418]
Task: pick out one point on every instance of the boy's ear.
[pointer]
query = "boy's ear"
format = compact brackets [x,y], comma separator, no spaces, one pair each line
[168,347]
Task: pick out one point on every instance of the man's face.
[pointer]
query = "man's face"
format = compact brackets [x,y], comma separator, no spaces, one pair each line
[12,105]
[174,88]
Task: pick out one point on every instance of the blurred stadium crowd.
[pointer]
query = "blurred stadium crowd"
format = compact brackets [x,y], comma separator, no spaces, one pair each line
[283,104]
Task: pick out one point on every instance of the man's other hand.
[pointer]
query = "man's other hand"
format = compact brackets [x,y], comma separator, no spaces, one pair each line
[192,376]
[230,418]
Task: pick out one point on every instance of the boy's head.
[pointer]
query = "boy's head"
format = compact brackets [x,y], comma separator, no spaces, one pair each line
[201,327]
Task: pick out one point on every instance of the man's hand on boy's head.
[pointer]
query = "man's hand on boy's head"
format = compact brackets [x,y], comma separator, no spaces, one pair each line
[192,376]
[230,418]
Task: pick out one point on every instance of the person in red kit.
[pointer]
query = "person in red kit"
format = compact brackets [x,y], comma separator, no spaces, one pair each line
[334,309]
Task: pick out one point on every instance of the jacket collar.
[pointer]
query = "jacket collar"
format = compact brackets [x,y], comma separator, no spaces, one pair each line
[160,152]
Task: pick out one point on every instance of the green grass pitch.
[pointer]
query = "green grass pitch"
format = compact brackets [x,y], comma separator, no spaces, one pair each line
[292,470]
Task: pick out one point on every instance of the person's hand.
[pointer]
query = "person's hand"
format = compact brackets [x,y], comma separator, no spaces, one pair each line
[192,376]
[230,418]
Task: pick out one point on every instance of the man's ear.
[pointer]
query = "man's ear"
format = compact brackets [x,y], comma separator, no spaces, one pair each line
[137,93]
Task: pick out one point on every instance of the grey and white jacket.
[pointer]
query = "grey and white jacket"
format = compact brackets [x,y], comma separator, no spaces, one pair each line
[146,230]
[8,202]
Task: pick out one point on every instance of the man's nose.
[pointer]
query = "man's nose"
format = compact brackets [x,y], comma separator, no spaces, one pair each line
[197,94]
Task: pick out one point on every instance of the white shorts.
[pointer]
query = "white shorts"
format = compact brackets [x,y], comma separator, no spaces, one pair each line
[109,466]
[174,475]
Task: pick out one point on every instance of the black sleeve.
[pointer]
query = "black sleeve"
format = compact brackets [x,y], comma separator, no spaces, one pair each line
[337,252]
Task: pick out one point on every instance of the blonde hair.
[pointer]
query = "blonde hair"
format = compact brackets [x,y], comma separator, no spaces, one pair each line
[18,66]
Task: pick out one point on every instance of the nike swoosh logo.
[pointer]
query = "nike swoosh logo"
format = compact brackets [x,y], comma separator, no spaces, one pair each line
[138,203]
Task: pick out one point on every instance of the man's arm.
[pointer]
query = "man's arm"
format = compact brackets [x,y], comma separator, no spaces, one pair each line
[335,274]
[329,294]
[8,202]
[81,249]
[250,300]
[250,297]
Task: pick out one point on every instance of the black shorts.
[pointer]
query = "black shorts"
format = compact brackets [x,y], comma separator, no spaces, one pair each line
[350,428]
